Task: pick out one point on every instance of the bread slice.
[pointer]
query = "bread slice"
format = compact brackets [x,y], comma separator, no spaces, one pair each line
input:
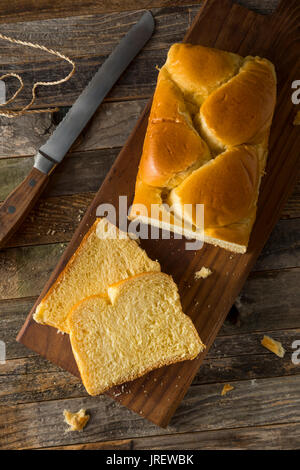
[139,326]
[105,256]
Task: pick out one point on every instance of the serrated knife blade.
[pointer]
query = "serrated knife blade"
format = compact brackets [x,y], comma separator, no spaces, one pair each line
[85,106]
[17,205]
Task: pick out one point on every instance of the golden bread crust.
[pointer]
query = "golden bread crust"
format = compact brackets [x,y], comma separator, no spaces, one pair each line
[227,186]
[206,141]
[199,70]
[171,145]
[241,110]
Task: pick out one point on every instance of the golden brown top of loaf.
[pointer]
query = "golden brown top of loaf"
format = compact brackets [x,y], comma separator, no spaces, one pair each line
[171,123]
[241,110]
[199,70]
[236,175]
[207,136]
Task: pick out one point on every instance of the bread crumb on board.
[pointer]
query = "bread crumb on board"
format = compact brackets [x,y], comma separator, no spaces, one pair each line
[273,346]
[227,388]
[296,121]
[203,273]
[76,421]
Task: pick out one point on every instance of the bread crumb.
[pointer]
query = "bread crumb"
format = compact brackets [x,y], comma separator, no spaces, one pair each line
[227,388]
[273,346]
[203,273]
[76,421]
[296,121]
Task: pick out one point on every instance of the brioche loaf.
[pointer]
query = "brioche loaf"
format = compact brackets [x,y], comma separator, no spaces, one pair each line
[206,143]
[105,256]
[137,327]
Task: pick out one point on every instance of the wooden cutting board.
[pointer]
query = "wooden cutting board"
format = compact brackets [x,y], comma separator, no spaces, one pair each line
[228,26]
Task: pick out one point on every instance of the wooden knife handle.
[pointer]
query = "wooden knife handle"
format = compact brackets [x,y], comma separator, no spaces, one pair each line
[18,204]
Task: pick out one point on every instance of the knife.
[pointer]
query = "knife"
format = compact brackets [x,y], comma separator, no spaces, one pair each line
[17,205]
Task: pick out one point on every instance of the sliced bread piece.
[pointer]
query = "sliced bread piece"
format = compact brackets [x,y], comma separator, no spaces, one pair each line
[138,327]
[105,256]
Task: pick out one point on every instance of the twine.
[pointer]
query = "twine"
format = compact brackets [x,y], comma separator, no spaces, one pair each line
[25,110]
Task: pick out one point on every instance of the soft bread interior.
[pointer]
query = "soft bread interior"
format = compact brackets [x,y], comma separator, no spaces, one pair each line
[105,256]
[139,326]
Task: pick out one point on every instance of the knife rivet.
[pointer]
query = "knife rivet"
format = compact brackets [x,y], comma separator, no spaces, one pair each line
[32,182]
[11,209]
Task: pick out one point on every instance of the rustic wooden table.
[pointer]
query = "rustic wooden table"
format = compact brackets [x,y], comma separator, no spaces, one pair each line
[263,410]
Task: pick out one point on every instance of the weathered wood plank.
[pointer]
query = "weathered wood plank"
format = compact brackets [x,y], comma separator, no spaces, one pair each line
[230,433]
[30,10]
[73,174]
[25,269]
[35,379]
[88,40]
[282,248]
[236,357]
[292,206]
[82,172]
[111,125]
[61,214]
[12,315]
[12,173]
[265,402]
[267,303]
[100,134]
[57,9]
[248,344]
[124,444]
[53,220]
[109,128]
[245,367]
[24,135]
[273,437]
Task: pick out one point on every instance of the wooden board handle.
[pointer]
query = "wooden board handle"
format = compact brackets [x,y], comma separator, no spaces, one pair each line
[18,204]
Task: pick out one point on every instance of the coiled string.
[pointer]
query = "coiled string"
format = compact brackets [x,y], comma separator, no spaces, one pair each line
[26,109]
